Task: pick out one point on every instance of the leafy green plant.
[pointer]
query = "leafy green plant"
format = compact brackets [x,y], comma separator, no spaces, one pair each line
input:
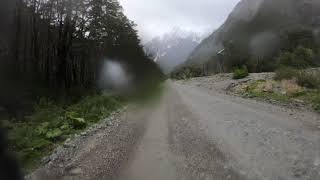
[75,121]
[54,134]
[51,123]
[43,128]
[240,73]
[40,143]
[95,108]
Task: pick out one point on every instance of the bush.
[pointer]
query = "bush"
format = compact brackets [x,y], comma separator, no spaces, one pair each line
[75,121]
[286,73]
[299,58]
[305,55]
[304,78]
[93,108]
[286,59]
[240,73]
[309,79]
[187,72]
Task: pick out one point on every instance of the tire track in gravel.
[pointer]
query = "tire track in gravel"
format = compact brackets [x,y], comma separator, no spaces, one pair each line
[202,159]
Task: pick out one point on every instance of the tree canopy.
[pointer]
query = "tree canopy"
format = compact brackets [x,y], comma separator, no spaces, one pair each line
[62,43]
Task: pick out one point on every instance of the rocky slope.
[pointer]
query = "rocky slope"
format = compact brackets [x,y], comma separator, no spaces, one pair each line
[256,25]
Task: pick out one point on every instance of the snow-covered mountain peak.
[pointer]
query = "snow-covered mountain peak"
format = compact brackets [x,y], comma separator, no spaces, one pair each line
[173,48]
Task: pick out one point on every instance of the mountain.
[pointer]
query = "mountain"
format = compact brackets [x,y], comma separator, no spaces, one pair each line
[173,48]
[256,27]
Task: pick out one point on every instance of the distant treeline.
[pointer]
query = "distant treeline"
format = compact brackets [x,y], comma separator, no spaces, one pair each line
[61,42]
[297,47]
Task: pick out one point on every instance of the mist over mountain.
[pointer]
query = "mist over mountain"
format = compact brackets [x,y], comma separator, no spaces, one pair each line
[173,48]
[256,27]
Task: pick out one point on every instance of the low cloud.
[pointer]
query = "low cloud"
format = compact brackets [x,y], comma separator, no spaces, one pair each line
[156,17]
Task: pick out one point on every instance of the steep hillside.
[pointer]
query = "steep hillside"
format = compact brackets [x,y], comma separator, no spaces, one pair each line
[173,48]
[255,26]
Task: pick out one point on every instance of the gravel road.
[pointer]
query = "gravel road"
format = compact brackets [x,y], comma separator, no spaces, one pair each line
[195,134]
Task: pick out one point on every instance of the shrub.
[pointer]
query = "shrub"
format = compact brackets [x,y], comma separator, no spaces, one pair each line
[305,55]
[285,73]
[54,134]
[304,78]
[187,72]
[93,108]
[309,79]
[240,73]
[75,121]
[300,58]
[286,59]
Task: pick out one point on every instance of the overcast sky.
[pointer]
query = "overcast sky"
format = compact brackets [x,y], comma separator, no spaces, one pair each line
[156,17]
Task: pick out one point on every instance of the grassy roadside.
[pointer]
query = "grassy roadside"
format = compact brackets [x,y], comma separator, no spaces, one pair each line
[50,124]
[285,91]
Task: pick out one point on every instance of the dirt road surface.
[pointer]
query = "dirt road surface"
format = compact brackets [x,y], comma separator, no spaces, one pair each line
[194,134]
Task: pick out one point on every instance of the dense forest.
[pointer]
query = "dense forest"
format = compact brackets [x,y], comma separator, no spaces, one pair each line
[52,56]
[60,44]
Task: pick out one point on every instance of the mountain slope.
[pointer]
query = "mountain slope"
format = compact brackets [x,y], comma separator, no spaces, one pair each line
[256,25]
[173,48]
